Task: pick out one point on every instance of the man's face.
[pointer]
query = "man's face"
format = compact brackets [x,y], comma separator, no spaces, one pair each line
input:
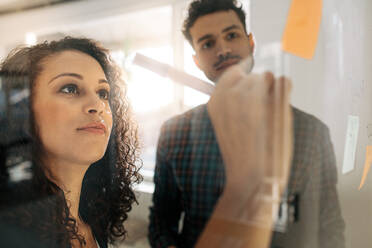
[219,41]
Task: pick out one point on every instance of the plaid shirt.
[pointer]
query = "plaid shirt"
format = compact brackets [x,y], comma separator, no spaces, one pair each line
[189,178]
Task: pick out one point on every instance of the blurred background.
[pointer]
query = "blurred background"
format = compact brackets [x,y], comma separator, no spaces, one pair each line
[335,86]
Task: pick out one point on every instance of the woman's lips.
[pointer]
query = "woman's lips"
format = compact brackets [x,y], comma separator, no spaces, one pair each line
[96,128]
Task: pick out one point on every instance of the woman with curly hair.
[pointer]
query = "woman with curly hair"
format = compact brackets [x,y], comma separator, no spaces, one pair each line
[76,129]
[80,128]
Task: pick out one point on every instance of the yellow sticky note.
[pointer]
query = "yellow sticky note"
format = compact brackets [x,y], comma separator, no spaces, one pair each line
[302,29]
[367,166]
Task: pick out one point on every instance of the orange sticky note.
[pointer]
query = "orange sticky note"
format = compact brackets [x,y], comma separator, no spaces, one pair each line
[302,29]
[367,166]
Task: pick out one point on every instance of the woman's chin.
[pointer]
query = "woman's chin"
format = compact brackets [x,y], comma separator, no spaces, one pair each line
[86,158]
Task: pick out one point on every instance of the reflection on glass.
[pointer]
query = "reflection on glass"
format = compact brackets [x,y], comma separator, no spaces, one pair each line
[147,91]
[192,98]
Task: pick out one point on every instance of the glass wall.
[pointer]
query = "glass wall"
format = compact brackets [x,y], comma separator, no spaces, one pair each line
[334,87]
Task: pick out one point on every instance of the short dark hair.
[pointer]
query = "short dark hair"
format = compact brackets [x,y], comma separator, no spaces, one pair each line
[198,8]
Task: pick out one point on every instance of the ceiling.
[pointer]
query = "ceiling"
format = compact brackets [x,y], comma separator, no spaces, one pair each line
[12,6]
[135,29]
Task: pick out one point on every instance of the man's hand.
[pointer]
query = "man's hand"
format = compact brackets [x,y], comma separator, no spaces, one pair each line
[252,120]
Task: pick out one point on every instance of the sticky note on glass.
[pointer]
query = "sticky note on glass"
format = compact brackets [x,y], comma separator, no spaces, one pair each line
[301,32]
[367,166]
[350,144]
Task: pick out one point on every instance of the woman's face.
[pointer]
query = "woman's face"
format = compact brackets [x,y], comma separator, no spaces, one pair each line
[71,106]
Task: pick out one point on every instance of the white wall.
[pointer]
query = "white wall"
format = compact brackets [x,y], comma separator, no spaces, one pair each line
[334,84]
[348,92]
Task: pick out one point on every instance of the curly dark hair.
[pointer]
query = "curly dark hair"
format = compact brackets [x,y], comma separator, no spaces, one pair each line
[198,8]
[107,194]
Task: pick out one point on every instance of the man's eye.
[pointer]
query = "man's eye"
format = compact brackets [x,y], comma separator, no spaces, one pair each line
[104,94]
[207,45]
[231,36]
[71,89]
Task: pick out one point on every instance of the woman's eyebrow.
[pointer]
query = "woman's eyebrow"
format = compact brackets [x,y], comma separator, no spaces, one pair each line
[69,74]
[78,76]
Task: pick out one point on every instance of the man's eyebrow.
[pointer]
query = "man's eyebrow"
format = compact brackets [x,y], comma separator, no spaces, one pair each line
[207,36]
[102,81]
[67,74]
[230,27]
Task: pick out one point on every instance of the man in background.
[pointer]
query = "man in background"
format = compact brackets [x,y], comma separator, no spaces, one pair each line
[189,176]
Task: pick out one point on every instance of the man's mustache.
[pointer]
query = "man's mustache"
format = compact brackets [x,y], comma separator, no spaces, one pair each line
[224,58]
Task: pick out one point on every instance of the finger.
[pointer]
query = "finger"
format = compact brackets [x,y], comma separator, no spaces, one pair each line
[278,141]
[247,64]
[282,88]
[269,81]
[283,133]
[279,105]
[287,129]
[263,84]
[255,85]
[230,77]
[224,84]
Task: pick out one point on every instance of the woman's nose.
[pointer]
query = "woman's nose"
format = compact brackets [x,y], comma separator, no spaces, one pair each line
[94,105]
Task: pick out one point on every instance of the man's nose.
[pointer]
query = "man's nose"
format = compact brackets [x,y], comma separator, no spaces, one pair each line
[223,49]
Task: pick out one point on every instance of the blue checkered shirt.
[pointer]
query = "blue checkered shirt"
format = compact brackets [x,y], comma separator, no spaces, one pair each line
[189,178]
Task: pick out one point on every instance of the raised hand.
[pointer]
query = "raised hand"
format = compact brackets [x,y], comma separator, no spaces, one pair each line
[252,120]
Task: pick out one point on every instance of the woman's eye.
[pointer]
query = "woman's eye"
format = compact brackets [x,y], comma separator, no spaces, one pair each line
[69,89]
[104,94]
